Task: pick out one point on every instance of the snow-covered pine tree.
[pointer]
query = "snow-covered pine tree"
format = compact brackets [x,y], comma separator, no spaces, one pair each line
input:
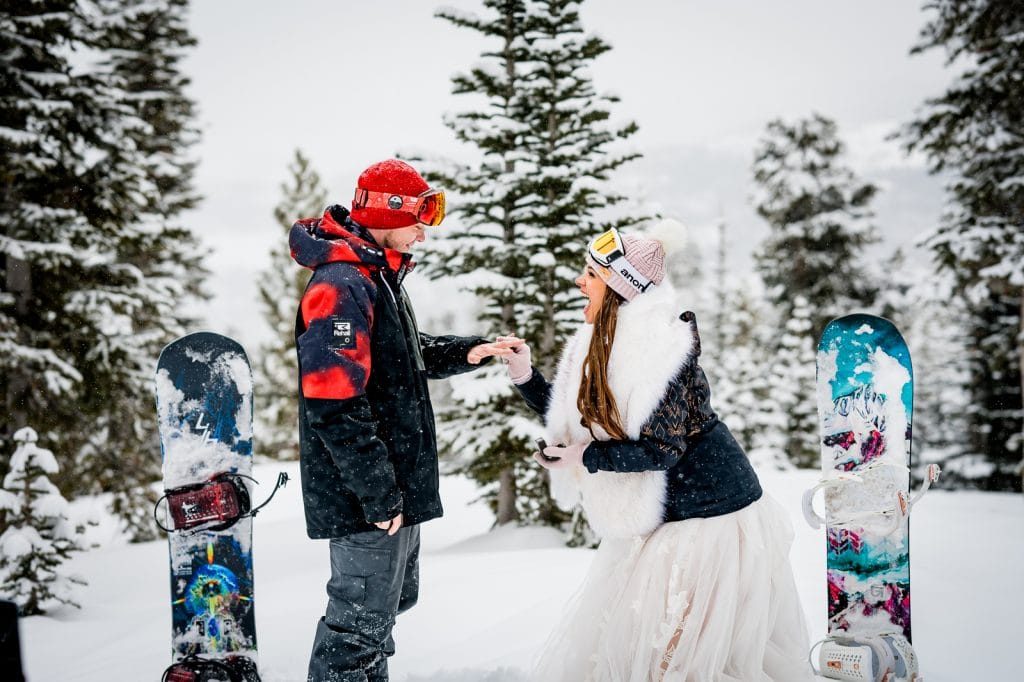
[974,133]
[789,411]
[734,358]
[819,215]
[281,284]
[719,293]
[929,311]
[38,537]
[99,270]
[142,44]
[739,374]
[39,222]
[524,214]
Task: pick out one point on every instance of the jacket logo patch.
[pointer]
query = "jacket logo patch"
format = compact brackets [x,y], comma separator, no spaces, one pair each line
[342,336]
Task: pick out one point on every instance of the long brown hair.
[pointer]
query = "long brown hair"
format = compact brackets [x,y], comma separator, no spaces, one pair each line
[595,400]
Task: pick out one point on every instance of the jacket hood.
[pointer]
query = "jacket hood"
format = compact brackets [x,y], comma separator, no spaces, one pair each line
[336,238]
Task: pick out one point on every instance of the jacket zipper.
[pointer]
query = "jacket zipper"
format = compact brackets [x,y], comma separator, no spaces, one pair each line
[404,320]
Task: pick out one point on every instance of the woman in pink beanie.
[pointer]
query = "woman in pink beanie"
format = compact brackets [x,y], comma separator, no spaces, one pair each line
[692,580]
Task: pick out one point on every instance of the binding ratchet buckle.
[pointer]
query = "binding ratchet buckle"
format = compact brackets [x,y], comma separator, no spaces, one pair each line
[215,504]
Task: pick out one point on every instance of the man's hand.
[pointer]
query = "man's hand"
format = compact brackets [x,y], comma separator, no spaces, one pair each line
[485,350]
[391,526]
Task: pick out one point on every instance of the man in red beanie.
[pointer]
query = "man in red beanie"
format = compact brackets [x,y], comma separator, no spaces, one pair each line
[366,427]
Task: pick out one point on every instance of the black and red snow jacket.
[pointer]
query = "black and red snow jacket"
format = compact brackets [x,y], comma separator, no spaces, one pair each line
[366,427]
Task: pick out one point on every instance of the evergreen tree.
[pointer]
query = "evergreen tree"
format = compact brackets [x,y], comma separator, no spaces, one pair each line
[819,215]
[38,537]
[99,270]
[144,43]
[281,286]
[734,359]
[790,413]
[974,132]
[739,380]
[40,224]
[720,293]
[686,270]
[524,213]
[929,311]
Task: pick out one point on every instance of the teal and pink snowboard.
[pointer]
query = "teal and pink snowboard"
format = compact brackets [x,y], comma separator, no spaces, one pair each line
[865,402]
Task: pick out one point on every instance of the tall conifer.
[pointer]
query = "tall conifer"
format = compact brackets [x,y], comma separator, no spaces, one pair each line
[96,264]
[523,215]
[974,133]
[281,285]
[819,215]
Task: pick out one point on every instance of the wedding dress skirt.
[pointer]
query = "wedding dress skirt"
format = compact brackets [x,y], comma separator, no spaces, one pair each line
[700,600]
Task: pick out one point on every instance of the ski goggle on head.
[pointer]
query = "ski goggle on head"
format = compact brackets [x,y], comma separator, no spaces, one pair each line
[608,251]
[607,247]
[427,208]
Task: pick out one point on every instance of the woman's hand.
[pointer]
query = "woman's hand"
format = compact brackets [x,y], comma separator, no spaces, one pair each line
[520,366]
[485,350]
[561,456]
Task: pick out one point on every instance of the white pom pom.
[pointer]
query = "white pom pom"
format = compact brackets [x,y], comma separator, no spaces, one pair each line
[671,233]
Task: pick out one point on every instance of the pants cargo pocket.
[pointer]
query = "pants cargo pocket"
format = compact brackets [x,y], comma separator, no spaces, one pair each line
[357,573]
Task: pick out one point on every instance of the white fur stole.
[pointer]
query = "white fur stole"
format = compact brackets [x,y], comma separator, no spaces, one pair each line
[651,346]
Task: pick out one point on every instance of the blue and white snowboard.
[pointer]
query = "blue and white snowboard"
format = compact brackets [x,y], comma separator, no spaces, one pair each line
[204,404]
[865,402]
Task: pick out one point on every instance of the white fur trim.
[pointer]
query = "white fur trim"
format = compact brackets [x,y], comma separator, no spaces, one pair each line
[651,346]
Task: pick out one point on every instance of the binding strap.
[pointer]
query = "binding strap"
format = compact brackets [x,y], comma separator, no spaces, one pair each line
[895,515]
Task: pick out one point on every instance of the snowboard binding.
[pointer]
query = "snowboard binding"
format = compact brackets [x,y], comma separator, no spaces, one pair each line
[887,657]
[215,504]
[195,668]
[888,520]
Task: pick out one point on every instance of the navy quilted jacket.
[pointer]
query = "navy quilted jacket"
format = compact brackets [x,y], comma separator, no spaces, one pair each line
[366,427]
[708,472]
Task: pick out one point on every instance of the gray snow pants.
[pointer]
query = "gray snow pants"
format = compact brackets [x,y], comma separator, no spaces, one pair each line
[374,577]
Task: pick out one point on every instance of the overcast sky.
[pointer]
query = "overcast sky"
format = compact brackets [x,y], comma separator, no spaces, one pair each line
[351,83]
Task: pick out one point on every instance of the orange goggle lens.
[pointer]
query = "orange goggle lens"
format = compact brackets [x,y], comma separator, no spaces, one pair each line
[428,208]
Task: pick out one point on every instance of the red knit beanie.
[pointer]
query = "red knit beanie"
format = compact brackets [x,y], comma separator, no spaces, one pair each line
[396,177]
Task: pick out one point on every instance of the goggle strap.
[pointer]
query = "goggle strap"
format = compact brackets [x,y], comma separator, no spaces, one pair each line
[620,264]
[367,198]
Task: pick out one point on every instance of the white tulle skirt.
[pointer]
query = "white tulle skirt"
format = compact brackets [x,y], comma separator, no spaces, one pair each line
[701,600]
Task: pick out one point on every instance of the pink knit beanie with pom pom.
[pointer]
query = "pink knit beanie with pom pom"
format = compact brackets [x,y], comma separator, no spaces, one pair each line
[644,254]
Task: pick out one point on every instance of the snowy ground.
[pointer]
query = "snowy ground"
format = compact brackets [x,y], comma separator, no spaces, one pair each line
[488,600]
